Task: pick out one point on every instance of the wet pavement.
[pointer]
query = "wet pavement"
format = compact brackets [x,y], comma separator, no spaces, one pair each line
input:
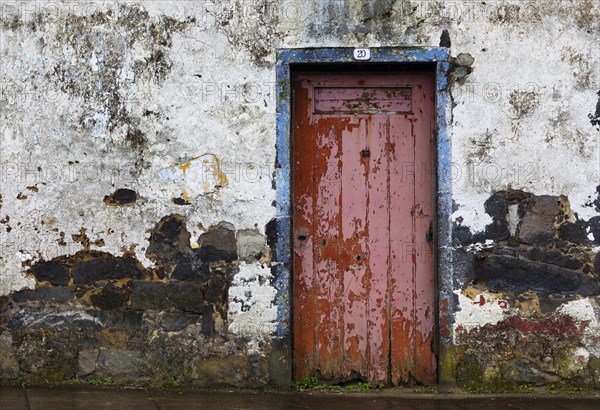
[88,398]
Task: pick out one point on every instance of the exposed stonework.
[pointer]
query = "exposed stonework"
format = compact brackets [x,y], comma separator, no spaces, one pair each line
[530,296]
[114,318]
[138,218]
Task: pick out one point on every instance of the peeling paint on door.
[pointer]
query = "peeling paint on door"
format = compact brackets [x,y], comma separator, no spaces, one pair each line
[363,255]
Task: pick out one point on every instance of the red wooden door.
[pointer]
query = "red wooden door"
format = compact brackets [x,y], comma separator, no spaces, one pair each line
[363,281]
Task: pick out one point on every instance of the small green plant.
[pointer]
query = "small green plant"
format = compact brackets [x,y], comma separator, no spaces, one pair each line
[474,387]
[551,387]
[360,386]
[578,389]
[171,384]
[380,386]
[308,383]
[525,387]
[99,381]
[326,387]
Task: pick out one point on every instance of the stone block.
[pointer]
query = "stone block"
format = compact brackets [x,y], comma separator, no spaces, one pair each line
[118,320]
[87,360]
[574,232]
[520,371]
[105,268]
[218,244]
[187,297]
[9,366]
[58,320]
[227,370]
[121,364]
[44,294]
[537,225]
[110,297]
[191,271]
[250,245]
[520,275]
[55,273]
[174,322]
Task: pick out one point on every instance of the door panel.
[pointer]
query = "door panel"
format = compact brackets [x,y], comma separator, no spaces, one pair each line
[363,188]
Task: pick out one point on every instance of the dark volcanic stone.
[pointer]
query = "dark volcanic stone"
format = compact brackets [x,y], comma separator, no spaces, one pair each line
[44,294]
[173,322]
[55,273]
[517,196]
[54,319]
[461,235]
[216,290]
[495,206]
[208,322]
[218,245]
[121,196]
[445,39]
[170,241]
[537,225]
[105,268]
[521,371]
[188,271]
[574,232]
[118,320]
[519,275]
[121,364]
[187,297]
[271,231]
[556,257]
[180,201]
[594,224]
[110,297]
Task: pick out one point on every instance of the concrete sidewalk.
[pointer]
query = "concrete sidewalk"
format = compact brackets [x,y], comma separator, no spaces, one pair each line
[89,398]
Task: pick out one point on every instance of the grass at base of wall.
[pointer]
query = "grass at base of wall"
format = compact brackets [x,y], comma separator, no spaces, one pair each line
[312,383]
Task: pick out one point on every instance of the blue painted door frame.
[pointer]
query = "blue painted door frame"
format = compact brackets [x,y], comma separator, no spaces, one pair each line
[287,59]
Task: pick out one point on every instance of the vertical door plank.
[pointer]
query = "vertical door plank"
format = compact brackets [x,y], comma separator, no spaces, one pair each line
[402,170]
[354,235]
[424,275]
[304,312]
[326,235]
[378,253]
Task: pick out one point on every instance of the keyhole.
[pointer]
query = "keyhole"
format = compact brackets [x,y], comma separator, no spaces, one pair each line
[358,258]
[365,153]
[301,237]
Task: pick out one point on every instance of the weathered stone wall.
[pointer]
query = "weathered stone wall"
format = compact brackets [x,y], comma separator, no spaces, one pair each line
[137,153]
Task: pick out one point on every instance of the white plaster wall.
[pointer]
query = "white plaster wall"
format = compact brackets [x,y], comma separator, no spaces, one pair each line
[217,101]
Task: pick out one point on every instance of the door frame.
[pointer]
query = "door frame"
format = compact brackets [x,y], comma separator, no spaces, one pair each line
[280,360]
